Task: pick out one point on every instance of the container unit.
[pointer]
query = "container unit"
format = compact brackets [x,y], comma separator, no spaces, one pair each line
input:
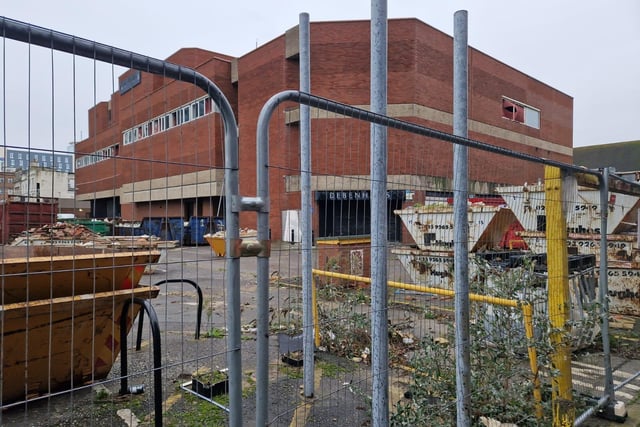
[432,226]
[217,241]
[18,216]
[199,226]
[427,268]
[98,226]
[61,310]
[583,212]
[68,271]
[619,246]
[165,228]
[54,332]
[128,228]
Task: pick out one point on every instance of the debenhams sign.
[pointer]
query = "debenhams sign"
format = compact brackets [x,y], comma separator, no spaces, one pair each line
[356,195]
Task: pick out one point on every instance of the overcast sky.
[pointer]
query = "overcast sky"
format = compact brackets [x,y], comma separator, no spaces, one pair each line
[587,49]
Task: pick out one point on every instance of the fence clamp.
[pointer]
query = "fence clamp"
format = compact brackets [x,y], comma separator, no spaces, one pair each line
[250,247]
[256,204]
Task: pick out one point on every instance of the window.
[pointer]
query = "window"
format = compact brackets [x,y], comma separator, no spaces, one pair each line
[519,112]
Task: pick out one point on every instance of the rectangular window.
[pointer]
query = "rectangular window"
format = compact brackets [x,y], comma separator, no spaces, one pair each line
[198,109]
[521,113]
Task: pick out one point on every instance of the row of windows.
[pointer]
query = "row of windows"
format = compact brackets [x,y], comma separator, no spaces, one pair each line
[24,158]
[97,157]
[23,164]
[39,157]
[9,180]
[180,115]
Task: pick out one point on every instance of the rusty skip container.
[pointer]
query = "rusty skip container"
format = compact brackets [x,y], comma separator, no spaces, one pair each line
[60,315]
[19,215]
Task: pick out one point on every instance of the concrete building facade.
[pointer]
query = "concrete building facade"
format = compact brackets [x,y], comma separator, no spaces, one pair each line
[122,167]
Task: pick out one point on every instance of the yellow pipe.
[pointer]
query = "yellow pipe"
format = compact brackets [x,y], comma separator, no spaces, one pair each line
[527,314]
[527,317]
[316,323]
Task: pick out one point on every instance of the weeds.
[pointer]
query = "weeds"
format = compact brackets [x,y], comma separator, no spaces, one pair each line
[501,380]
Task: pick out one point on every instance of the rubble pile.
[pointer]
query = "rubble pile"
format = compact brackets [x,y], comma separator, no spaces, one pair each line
[64,234]
[60,232]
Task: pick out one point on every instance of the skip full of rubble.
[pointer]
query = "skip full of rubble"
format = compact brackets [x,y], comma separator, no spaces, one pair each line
[66,234]
[244,233]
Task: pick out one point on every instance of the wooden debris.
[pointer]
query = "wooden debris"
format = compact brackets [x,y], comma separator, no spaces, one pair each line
[68,234]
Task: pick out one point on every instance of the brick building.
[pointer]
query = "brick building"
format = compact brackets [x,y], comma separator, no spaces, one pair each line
[151,119]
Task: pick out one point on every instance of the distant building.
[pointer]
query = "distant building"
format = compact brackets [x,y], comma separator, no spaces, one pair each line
[37,183]
[623,156]
[156,147]
[16,158]
[6,184]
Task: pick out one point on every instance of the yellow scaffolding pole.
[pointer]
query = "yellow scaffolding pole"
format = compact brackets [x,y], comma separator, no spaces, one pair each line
[559,300]
[527,315]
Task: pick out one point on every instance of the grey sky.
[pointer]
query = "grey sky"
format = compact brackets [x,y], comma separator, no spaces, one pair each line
[587,49]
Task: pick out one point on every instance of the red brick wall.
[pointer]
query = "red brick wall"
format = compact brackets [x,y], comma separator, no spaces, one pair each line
[419,72]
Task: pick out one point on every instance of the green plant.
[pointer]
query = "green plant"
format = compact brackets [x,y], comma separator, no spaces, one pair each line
[288,318]
[331,370]
[292,372]
[215,333]
[211,377]
[501,379]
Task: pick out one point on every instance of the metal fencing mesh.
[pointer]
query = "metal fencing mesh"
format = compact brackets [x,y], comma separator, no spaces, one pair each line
[133,324]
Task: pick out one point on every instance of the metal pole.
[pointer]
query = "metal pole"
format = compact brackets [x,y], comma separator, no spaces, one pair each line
[232,280]
[262,270]
[460,219]
[305,196]
[559,301]
[604,286]
[379,325]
